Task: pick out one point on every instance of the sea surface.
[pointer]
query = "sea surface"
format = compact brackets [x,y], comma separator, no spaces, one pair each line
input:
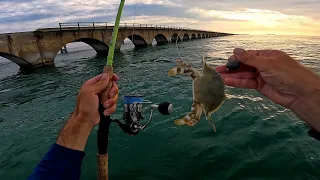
[255,139]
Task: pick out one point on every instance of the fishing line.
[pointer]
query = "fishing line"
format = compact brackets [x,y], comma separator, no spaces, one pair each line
[178,37]
[177,48]
[132,126]
[132,52]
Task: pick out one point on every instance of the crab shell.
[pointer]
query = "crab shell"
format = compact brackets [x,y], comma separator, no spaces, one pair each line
[208,92]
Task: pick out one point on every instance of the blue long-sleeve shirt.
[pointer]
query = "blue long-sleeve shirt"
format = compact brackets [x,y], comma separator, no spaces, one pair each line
[59,163]
[63,163]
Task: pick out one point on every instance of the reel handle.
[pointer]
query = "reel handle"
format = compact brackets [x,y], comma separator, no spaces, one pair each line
[164,108]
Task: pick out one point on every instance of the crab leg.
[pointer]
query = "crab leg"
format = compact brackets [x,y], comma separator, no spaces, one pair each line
[192,117]
[208,117]
[183,68]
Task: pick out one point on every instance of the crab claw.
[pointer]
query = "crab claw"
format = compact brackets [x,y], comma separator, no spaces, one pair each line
[179,122]
[187,120]
[192,117]
[181,63]
[178,70]
[173,72]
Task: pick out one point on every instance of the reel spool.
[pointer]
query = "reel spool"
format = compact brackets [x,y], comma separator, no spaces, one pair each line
[133,106]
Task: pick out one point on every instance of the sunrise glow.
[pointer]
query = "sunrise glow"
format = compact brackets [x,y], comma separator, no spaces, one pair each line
[298,17]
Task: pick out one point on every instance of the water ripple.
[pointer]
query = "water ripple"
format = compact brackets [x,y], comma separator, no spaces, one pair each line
[255,138]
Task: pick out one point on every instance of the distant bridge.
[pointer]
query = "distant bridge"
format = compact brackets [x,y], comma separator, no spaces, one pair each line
[40,47]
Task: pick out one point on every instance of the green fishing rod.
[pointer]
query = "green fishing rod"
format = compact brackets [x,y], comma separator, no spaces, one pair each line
[103,131]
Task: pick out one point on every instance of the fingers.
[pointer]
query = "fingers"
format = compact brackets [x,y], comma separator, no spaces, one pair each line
[240,75]
[93,81]
[221,69]
[110,110]
[243,67]
[96,79]
[110,106]
[260,82]
[112,95]
[111,103]
[241,83]
[250,59]
[102,84]
[115,78]
[114,90]
[245,57]
[266,53]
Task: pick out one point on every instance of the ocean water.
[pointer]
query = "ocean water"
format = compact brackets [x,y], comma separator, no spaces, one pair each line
[255,139]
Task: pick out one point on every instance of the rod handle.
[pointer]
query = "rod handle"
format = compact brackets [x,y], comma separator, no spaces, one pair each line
[102,143]
[103,172]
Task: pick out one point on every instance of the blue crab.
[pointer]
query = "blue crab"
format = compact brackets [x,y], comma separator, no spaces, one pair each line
[208,92]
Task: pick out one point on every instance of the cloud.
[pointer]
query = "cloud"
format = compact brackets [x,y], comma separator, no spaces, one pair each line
[281,16]
[265,18]
[28,17]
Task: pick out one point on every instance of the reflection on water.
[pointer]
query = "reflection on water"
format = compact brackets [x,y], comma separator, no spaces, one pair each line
[256,139]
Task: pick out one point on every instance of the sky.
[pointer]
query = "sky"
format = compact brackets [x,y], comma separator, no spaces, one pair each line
[281,17]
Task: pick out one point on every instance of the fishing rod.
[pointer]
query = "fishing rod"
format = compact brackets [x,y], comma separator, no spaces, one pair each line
[132,109]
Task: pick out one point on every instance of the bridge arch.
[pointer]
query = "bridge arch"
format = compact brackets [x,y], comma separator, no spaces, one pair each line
[199,36]
[193,36]
[203,36]
[175,37]
[137,40]
[100,47]
[186,37]
[161,39]
[17,60]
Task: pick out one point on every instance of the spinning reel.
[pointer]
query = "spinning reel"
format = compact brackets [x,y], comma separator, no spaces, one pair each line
[133,106]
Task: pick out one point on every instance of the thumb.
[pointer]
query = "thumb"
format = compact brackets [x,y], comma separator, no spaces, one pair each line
[249,59]
[102,84]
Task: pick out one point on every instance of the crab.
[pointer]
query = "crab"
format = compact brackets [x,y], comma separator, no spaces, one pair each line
[208,92]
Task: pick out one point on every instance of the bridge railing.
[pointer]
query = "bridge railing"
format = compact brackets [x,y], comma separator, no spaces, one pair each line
[108,25]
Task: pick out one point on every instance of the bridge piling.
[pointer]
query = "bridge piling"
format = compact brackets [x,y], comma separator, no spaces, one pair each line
[64,49]
[40,47]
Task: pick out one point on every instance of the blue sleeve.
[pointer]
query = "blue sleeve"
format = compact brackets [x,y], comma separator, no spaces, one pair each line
[59,163]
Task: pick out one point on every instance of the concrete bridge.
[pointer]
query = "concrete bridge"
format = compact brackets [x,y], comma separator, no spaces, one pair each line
[40,47]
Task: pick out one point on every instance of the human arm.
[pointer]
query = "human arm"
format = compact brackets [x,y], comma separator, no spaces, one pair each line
[64,159]
[280,78]
[307,108]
